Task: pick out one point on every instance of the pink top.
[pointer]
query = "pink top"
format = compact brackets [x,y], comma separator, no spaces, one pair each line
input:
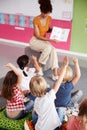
[17,102]
[74,124]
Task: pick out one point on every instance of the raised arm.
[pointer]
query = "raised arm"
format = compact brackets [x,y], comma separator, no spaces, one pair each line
[16,71]
[60,79]
[77,71]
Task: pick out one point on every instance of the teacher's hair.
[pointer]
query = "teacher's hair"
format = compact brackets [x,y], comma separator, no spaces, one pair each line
[45,6]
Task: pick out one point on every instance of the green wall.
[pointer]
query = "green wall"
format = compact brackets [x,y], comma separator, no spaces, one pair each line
[79,35]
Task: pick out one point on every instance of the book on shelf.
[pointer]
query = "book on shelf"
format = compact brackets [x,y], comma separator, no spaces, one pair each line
[60,34]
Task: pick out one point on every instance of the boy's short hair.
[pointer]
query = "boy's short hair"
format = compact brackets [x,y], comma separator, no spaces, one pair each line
[68,75]
[38,86]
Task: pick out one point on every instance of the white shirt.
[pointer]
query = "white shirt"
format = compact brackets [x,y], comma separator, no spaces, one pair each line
[47,115]
[26,79]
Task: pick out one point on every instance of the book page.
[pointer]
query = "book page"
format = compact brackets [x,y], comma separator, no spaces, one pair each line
[60,34]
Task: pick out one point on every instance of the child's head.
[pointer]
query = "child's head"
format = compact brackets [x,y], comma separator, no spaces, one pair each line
[22,61]
[9,82]
[68,75]
[38,86]
[83,108]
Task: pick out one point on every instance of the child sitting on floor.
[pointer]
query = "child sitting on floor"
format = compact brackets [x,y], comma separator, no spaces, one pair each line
[65,97]
[79,122]
[16,108]
[27,72]
[44,115]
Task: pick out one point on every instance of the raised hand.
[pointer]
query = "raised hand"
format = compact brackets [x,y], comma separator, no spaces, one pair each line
[75,60]
[66,61]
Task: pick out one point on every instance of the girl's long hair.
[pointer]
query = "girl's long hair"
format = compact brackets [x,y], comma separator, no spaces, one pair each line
[9,82]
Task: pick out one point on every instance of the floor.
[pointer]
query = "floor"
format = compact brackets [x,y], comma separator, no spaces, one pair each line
[9,53]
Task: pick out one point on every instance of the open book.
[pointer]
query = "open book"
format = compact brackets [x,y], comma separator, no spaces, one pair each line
[60,34]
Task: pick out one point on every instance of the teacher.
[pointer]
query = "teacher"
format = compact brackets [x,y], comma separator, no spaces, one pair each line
[39,42]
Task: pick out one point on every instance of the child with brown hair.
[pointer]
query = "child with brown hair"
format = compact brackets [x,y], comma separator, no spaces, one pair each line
[44,114]
[28,72]
[79,122]
[16,108]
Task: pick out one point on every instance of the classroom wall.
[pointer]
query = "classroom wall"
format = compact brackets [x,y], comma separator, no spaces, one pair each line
[79,27]
[62,9]
[15,19]
[24,34]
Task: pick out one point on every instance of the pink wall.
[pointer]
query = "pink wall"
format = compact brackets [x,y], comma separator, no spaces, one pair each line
[24,34]
[10,33]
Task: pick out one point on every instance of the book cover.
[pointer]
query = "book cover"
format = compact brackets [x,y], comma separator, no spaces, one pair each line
[60,34]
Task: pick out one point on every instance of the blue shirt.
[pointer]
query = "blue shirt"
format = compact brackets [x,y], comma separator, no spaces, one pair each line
[63,96]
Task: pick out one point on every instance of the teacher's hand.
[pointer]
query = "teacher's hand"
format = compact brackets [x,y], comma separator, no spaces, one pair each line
[54,40]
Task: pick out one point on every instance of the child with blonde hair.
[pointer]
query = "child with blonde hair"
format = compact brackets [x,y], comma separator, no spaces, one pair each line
[44,114]
[65,97]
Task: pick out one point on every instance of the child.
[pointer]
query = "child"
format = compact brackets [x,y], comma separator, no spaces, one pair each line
[16,108]
[64,97]
[79,122]
[27,72]
[44,107]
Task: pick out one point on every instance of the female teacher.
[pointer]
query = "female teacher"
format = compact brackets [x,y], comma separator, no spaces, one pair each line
[39,42]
